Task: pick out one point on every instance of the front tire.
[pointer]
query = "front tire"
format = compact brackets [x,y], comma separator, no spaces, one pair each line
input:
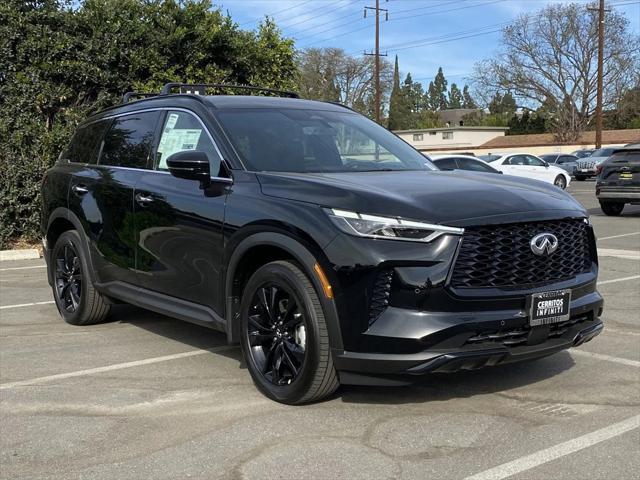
[560,182]
[612,209]
[284,335]
[77,301]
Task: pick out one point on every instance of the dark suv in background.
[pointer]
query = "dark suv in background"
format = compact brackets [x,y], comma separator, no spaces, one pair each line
[330,249]
[618,181]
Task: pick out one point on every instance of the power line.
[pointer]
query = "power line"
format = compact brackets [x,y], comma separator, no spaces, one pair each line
[376,54]
[276,13]
[312,18]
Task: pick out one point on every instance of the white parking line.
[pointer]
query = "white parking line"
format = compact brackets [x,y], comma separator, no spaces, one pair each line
[21,268]
[557,451]
[607,358]
[614,252]
[618,236]
[20,305]
[117,366]
[616,280]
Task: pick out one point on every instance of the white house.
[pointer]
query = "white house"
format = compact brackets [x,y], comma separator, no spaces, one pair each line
[451,137]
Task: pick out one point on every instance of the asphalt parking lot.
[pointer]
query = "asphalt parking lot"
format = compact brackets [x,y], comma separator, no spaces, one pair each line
[146,396]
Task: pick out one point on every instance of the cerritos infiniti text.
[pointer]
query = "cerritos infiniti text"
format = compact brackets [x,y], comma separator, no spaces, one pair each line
[550,307]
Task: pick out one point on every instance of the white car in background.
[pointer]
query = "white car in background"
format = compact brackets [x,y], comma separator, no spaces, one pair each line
[528,166]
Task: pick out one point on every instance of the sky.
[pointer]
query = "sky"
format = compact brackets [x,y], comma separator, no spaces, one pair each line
[425,34]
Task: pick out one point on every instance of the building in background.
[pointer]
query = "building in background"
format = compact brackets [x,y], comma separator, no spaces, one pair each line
[452,138]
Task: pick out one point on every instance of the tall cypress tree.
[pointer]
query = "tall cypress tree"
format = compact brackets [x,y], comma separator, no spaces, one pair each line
[467,100]
[440,85]
[398,110]
[455,97]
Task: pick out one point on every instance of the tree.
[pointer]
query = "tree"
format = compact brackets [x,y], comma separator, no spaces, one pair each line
[331,74]
[467,100]
[440,85]
[399,111]
[551,55]
[502,104]
[414,94]
[58,64]
[455,97]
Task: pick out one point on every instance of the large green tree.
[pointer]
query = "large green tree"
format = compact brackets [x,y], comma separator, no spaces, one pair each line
[455,97]
[399,109]
[58,64]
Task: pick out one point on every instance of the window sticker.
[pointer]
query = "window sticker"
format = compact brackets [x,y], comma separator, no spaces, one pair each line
[171,121]
[176,140]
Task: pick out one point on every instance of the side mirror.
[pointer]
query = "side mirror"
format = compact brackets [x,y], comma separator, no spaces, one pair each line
[546,164]
[191,165]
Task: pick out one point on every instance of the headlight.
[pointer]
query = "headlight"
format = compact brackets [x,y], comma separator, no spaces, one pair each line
[390,228]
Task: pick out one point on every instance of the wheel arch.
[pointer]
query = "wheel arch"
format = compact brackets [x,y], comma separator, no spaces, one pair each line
[258,248]
[61,220]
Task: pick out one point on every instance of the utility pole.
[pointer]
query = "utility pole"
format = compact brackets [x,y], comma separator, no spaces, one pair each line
[377,54]
[601,11]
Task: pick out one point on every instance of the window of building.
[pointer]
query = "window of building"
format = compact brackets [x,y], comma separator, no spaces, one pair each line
[432,133]
[418,137]
[447,135]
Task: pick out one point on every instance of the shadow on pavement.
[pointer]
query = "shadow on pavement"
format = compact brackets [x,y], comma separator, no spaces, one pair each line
[439,387]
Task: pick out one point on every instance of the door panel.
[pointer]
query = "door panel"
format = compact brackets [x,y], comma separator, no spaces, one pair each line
[105,195]
[178,224]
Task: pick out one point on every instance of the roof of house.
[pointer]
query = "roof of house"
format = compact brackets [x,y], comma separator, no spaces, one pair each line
[545,139]
[454,127]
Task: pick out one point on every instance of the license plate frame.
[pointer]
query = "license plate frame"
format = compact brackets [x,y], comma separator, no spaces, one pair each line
[557,310]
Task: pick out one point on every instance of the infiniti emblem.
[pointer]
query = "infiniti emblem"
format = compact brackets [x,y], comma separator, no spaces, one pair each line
[544,243]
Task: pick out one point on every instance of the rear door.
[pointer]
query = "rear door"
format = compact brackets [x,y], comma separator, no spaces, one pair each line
[179,225]
[107,200]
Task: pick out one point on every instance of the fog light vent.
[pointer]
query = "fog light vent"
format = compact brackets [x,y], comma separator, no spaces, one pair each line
[380,294]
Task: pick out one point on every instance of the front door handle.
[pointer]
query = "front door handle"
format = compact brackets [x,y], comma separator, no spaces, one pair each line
[79,189]
[143,200]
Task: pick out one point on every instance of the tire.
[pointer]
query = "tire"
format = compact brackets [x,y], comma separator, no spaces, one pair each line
[79,303]
[560,182]
[613,209]
[296,333]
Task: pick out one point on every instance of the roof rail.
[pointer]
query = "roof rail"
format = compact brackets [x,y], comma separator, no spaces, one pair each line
[198,88]
[133,95]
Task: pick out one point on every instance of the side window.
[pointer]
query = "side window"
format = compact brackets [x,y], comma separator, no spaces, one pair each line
[129,141]
[183,131]
[534,161]
[566,159]
[475,165]
[85,144]
[517,160]
[446,164]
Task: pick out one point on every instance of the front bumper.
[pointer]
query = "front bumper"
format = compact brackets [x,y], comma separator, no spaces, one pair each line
[461,342]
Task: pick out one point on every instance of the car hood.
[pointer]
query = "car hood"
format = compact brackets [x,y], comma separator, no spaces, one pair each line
[450,198]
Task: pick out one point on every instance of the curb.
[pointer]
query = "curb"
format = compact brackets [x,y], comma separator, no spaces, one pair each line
[26,254]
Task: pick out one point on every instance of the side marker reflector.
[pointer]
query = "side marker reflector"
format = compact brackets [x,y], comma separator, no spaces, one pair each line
[326,286]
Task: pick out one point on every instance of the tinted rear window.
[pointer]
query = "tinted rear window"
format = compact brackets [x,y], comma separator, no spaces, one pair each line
[129,141]
[85,144]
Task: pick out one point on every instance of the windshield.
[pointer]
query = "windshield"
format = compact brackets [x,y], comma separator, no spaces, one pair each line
[549,158]
[602,152]
[296,140]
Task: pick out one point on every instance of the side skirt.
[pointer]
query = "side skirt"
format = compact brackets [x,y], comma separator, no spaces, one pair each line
[164,304]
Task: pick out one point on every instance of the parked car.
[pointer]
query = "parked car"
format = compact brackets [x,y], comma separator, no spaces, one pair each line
[565,161]
[583,153]
[324,245]
[587,167]
[618,181]
[462,162]
[530,166]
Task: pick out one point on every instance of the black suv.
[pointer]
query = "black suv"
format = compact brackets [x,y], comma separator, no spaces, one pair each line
[618,181]
[330,249]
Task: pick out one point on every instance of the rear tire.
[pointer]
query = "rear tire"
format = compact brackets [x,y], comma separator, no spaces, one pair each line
[560,182]
[78,302]
[613,209]
[284,336]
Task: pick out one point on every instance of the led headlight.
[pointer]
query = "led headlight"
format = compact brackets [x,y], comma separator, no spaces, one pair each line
[391,228]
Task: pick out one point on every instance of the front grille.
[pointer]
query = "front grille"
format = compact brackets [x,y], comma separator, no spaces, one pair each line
[501,256]
[380,294]
[588,164]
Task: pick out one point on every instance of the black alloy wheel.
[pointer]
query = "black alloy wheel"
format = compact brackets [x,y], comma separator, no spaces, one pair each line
[612,209]
[78,302]
[284,335]
[277,333]
[68,278]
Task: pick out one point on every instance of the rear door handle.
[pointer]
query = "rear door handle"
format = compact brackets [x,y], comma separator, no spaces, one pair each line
[80,189]
[143,200]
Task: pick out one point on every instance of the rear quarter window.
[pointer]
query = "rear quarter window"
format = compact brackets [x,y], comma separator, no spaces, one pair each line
[85,144]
